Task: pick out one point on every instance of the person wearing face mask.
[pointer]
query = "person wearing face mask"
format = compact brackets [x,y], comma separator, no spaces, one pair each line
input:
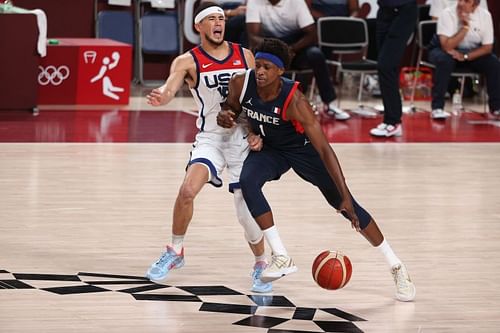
[464,40]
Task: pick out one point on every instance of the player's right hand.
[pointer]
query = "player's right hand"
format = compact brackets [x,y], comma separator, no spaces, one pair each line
[155,98]
[225,118]
[255,142]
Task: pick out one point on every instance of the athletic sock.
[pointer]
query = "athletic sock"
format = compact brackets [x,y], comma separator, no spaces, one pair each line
[177,243]
[274,240]
[261,258]
[388,254]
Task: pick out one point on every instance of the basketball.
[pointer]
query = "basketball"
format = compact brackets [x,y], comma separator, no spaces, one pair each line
[331,270]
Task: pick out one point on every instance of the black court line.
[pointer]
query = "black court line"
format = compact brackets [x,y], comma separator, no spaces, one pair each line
[145,285]
[261,321]
[342,314]
[14,284]
[142,289]
[166,298]
[130,277]
[119,282]
[46,277]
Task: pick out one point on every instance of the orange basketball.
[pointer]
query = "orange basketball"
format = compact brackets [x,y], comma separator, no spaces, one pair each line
[331,270]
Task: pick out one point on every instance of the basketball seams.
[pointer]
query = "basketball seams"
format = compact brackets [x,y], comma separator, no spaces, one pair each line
[333,259]
[322,263]
[344,271]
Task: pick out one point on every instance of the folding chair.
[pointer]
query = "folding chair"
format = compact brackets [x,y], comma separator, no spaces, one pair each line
[292,73]
[348,36]
[116,25]
[158,34]
[425,33]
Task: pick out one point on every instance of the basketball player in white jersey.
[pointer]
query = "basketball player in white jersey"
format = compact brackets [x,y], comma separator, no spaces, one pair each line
[207,70]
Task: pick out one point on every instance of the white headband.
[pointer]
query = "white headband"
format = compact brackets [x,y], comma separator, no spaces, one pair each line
[207,11]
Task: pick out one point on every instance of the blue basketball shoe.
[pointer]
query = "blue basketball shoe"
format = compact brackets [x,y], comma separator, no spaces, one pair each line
[169,260]
[258,286]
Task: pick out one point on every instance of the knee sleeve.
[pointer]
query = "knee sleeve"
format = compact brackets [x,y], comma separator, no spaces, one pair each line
[363,216]
[253,233]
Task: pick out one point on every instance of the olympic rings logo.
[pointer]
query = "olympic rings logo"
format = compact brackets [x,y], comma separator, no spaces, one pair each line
[52,75]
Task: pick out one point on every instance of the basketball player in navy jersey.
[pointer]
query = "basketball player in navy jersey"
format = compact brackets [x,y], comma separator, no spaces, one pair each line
[292,138]
[207,70]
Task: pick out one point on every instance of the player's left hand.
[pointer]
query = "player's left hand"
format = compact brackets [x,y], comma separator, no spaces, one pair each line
[347,210]
[225,118]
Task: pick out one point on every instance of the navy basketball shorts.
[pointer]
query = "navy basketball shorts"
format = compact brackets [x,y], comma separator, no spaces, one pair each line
[269,164]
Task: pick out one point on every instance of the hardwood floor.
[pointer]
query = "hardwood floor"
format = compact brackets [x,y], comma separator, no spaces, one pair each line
[92,218]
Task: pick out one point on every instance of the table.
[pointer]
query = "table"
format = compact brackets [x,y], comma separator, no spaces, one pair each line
[18,62]
[85,71]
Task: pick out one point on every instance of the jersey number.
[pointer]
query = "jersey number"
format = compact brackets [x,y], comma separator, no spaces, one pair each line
[261,127]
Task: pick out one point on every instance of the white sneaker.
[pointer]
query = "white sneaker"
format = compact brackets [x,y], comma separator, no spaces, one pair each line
[337,112]
[280,266]
[405,289]
[387,130]
[439,114]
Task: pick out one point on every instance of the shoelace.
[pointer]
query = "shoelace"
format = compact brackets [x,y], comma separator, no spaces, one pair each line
[400,279]
[166,259]
[257,273]
[279,261]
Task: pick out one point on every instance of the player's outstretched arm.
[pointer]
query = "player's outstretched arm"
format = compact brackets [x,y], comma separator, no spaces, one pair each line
[301,111]
[179,70]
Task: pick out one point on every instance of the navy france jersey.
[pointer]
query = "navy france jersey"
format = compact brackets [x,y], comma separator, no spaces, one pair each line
[269,118]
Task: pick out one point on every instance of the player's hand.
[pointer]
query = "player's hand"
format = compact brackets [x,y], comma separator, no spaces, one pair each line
[155,98]
[255,142]
[347,210]
[225,118]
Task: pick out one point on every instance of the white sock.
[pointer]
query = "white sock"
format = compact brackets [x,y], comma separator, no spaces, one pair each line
[177,243]
[261,258]
[389,255]
[332,104]
[274,240]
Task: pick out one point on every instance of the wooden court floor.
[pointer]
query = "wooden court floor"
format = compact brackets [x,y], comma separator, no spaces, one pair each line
[80,224]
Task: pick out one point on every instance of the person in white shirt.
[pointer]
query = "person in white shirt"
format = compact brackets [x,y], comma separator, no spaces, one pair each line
[464,39]
[438,6]
[292,22]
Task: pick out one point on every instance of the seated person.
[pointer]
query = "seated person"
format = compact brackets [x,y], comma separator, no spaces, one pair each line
[437,6]
[322,8]
[292,22]
[465,38]
[234,11]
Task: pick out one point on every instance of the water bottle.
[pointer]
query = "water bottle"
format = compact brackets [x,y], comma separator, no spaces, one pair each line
[456,103]
[7,6]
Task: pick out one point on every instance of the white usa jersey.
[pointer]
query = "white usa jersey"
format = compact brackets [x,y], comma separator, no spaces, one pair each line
[212,83]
